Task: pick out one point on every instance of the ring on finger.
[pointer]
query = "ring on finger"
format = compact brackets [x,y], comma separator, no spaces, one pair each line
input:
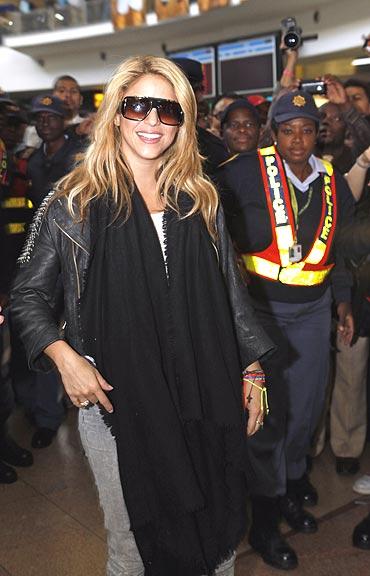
[84,403]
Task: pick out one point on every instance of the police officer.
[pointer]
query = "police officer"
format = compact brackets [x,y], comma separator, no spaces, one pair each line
[57,153]
[285,207]
[53,160]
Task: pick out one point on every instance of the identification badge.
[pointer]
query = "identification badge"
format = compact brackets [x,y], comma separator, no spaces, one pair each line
[295,253]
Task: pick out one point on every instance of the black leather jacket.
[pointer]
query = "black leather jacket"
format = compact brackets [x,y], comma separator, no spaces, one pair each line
[57,253]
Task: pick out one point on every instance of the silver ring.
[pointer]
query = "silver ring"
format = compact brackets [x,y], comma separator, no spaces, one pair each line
[84,404]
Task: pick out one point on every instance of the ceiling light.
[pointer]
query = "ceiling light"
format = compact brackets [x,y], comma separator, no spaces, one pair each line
[360,61]
[59,16]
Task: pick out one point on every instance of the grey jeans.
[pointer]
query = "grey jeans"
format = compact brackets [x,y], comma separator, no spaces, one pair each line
[100,448]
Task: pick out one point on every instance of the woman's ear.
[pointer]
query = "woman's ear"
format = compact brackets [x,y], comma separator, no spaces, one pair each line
[117,120]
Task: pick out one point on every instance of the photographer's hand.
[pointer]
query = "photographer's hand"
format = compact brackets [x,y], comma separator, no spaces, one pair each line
[288,78]
[336,93]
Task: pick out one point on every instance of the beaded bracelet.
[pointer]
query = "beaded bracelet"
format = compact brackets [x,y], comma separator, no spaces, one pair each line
[258,376]
[288,73]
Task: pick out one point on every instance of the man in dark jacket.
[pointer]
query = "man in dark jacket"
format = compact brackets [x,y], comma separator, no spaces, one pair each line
[53,160]
[57,153]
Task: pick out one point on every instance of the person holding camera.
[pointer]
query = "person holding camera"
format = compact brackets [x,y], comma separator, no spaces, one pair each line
[285,207]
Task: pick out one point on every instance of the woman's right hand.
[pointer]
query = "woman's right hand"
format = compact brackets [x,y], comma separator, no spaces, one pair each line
[81,380]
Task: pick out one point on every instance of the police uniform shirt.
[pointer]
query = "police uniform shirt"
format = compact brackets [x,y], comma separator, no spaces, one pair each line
[248,218]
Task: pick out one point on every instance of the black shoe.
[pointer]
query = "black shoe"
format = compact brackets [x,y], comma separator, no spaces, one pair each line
[273,549]
[13,454]
[303,489]
[7,474]
[361,534]
[296,516]
[43,437]
[347,466]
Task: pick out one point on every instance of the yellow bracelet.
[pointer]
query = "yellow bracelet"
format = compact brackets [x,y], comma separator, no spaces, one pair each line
[264,400]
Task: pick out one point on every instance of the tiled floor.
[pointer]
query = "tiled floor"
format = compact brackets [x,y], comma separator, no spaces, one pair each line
[51,525]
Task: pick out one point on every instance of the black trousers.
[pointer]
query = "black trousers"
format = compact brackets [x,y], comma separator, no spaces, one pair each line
[296,377]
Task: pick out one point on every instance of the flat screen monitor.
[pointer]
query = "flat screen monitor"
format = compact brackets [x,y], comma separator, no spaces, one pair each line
[248,65]
[206,56]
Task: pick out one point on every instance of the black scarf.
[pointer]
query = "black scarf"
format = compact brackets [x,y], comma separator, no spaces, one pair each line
[167,346]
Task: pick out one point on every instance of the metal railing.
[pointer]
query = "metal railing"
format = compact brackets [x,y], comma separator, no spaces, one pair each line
[55,17]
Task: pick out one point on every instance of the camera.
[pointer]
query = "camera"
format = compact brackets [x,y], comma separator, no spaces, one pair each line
[313,86]
[291,34]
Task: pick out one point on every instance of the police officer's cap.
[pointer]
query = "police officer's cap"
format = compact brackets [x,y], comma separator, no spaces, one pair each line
[5,100]
[236,105]
[191,68]
[15,114]
[296,104]
[48,103]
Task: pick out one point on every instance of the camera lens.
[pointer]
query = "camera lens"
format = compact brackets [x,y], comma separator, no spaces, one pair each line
[291,40]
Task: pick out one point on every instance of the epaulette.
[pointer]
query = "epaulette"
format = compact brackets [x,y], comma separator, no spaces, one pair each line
[34,230]
[228,160]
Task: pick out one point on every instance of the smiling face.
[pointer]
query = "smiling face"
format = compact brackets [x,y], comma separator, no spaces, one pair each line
[296,140]
[144,142]
[241,131]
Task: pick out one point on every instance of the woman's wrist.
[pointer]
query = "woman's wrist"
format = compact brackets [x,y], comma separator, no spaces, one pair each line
[363,162]
[62,354]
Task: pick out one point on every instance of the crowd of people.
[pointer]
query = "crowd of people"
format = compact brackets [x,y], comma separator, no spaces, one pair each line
[196,282]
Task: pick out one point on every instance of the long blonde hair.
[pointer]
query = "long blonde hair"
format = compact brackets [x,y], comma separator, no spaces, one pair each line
[104,169]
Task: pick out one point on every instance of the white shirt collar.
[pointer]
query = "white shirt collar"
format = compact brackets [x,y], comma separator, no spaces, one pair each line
[318,168]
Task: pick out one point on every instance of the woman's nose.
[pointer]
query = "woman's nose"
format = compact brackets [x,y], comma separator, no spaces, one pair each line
[152,118]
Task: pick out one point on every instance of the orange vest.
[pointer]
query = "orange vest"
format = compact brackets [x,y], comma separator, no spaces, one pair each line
[273,263]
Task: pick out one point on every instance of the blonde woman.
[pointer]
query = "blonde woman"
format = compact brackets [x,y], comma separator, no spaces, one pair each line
[159,330]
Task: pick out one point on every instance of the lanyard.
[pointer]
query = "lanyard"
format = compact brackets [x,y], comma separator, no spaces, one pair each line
[293,199]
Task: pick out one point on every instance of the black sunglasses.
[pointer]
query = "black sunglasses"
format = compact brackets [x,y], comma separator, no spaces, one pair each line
[139,107]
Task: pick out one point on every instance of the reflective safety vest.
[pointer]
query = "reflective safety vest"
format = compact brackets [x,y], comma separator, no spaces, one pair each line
[273,262]
[16,208]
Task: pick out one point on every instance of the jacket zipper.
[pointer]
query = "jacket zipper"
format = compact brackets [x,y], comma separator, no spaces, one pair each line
[74,243]
[76,269]
[216,250]
[70,237]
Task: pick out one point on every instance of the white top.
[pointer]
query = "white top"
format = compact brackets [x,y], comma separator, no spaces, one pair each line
[157,218]
[317,168]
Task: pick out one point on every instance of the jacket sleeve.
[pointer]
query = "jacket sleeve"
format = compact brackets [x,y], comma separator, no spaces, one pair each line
[35,294]
[341,277]
[253,342]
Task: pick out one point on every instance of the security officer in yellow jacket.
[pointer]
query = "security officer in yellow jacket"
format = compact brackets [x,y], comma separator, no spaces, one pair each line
[284,208]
